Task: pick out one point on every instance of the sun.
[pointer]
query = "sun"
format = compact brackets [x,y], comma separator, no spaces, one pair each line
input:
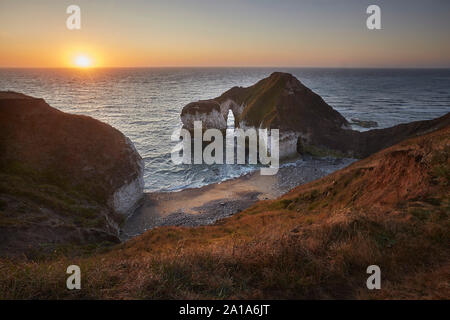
[83,61]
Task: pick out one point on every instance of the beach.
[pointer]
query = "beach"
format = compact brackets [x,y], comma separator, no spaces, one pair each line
[205,205]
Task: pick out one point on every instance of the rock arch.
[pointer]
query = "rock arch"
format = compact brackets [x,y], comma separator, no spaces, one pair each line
[212,113]
[230,119]
[282,102]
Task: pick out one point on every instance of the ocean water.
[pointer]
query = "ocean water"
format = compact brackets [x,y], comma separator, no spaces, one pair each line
[145,103]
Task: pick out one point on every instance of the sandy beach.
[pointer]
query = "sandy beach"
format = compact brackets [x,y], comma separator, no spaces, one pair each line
[206,205]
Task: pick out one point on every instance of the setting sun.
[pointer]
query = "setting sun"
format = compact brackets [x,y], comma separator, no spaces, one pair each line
[83,61]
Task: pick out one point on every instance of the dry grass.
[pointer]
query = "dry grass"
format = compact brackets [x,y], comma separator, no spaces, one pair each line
[391,210]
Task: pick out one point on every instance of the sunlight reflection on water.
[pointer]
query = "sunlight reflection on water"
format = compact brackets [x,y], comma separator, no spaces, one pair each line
[145,104]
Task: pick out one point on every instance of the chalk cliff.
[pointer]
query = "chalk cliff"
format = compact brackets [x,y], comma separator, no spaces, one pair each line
[207,111]
[70,172]
[306,122]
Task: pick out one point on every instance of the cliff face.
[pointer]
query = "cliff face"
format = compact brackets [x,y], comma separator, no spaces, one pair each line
[369,142]
[277,102]
[282,102]
[306,122]
[206,111]
[316,242]
[65,165]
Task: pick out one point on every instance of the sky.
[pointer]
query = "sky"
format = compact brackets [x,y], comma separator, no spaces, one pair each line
[294,33]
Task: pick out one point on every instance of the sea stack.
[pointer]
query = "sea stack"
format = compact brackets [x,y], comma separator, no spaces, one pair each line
[278,102]
[307,124]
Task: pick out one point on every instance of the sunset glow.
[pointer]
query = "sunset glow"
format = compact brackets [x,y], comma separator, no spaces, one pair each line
[83,61]
[160,33]
[221,153]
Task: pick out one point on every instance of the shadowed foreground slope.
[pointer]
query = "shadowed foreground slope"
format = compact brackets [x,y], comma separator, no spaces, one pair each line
[390,209]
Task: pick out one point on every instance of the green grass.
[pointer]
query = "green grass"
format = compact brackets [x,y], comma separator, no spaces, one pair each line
[52,182]
[261,101]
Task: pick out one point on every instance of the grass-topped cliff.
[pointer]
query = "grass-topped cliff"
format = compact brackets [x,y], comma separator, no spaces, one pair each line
[391,209]
[307,124]
[278,101]
[59,177]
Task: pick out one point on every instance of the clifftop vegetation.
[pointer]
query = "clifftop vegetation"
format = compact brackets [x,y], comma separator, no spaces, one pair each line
[391,209]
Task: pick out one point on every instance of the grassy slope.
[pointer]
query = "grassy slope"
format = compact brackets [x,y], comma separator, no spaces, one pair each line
[41,214]
[58,172]
[259,99]
[391,209]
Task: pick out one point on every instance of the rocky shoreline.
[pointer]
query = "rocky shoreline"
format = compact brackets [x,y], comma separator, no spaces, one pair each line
[208,204]
[60,175]
[71,180]
[309,128]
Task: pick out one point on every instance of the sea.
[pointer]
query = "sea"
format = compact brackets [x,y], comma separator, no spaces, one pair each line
[145,104]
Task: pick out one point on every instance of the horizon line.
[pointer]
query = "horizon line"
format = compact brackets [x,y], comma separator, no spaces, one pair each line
[231,67]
